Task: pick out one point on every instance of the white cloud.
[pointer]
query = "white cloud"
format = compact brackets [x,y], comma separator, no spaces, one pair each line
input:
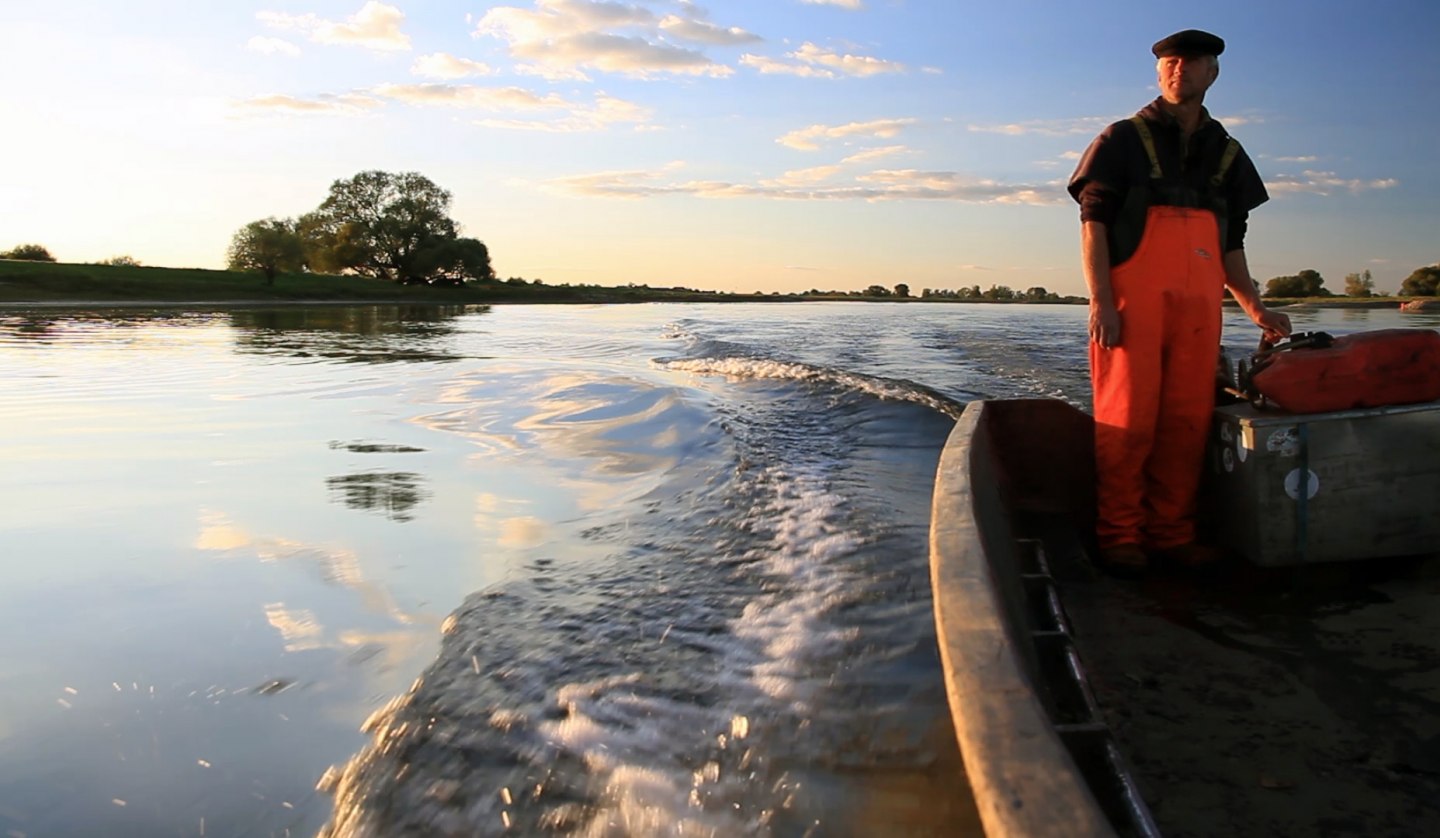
[850,65]
[605,112]
[344,103]
[280,20]
[801,177]
[1324,183]
[557,114]
[1067,158]
[811,61]
[623,54]
[844,4]
[552,19]
[807,139]
[1047,127]
[271,46]
[560,39]
[569,117]
[776,67]
[468,96]
[375,26]
[440,65]
[1306,159]
[914,183]
[704,32]
[875,154]
[882,185]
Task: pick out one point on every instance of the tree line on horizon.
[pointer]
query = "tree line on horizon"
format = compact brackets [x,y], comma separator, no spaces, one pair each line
[1422,282]
[40,253]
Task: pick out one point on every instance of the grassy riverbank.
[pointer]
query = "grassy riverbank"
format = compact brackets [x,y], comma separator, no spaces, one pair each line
[82,284]
[1333,302]
[50,282]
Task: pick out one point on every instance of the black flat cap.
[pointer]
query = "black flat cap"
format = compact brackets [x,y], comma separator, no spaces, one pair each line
[1189,42]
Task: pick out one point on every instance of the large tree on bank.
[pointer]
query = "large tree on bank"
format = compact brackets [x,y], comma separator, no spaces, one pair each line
[391,226]
[1307,283]
[270,246]
[1422,282]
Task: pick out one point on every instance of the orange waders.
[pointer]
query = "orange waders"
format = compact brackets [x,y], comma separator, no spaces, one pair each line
[1155,391]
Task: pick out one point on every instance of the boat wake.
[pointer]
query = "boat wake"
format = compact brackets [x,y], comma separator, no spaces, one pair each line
[757,630]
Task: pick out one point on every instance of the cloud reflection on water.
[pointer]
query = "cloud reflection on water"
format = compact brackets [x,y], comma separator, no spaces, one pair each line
[522,532]
[334,565]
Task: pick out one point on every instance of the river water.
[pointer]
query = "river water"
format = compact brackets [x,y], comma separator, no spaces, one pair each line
[591,570]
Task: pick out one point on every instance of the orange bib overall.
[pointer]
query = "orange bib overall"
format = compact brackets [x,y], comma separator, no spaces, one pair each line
[1155,391]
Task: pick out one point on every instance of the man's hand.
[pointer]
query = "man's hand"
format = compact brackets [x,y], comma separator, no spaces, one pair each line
[1105,324]
[1274,324]
[1237,278]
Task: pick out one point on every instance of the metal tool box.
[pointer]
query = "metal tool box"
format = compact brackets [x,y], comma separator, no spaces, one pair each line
[1289,489]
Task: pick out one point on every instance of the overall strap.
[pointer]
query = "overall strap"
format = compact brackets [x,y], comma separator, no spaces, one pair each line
[1232,148]
[1149,142]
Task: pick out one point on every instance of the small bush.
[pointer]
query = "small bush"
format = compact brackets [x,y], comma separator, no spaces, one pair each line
[28,253]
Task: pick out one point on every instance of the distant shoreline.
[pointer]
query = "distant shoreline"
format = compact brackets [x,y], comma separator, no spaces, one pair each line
[292,302]
[1343,302]
[52,286]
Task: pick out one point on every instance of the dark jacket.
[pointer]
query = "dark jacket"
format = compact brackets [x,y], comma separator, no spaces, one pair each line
[1112,183]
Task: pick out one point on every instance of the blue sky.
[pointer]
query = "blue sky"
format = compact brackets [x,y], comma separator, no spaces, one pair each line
[740,145]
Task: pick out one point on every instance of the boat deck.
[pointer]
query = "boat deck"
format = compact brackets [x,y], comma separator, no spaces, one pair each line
[1253,701]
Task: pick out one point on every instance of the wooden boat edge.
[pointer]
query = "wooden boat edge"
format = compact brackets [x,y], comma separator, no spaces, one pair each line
[1021,773]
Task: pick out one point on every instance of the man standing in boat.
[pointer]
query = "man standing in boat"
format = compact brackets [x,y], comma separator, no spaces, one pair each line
[1164,198]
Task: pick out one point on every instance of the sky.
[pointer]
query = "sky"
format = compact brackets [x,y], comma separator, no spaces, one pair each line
[740,145]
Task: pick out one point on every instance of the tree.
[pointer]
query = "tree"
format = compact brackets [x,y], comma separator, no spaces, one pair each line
[999,292]
[902,290]
[877,291]
[391,226]
[28,253]
[1423,282]
[452,261]
[1307,283]
[270,245]
[121,261]
[1359,285]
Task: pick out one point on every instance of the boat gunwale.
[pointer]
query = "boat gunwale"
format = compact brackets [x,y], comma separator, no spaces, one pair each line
[1022,775]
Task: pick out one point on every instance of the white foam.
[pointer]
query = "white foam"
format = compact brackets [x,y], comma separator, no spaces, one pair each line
[761,368]
[789,625]
[642,745]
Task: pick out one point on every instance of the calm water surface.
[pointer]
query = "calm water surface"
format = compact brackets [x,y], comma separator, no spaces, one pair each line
[625,570]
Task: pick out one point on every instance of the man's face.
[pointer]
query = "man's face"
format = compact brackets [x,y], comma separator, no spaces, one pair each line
[1185,78]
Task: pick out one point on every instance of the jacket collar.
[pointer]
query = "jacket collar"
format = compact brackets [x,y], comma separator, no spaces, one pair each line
[1156,114]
